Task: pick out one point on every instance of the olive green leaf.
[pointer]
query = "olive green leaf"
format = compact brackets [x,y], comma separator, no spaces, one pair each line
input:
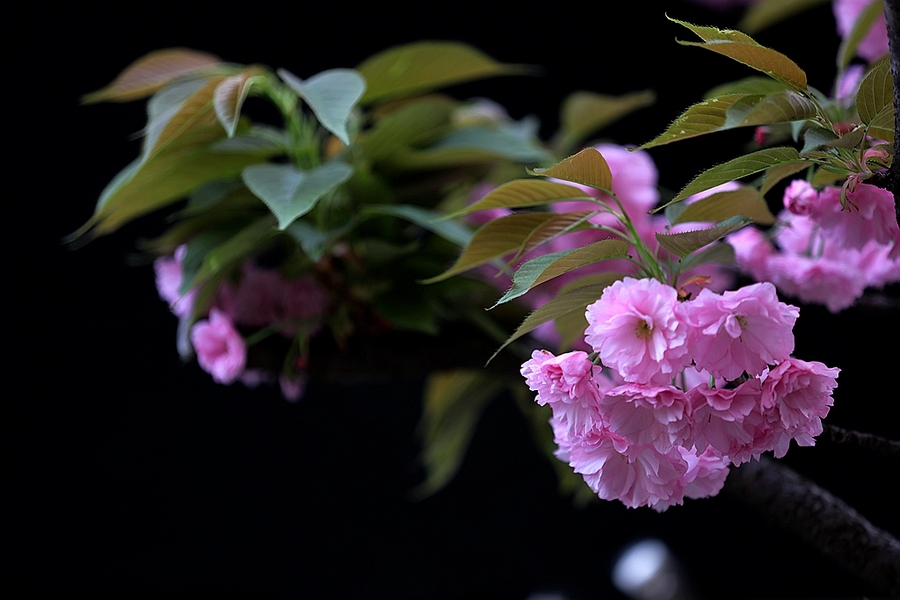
[543,268]
[764,13]
[682,244]
[875,100]
[516,233]
[229,96]
[744,49]
[524,193]
[721,206]
[587,167]
[584,113]
[418,67]
[452,405]
[737,168]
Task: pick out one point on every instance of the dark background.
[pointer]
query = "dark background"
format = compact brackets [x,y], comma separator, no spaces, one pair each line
[136,475]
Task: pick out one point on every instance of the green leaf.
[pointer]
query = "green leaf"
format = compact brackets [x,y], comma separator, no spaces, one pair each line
[419,67]
[584,113]
[778,173]
[701,118]
[875,100]
[780,107]
[682,244]
[229,96]
[753,85]
[587,167]
[566,302]
[145,186]
[312,240]
[452,405]
[724,205]
[331,95]
[415,123]
[861,26]
[152,72]
[452,231]
[761,14]
[548,266]
[524,193]
[516,233]
[290,192]
[744,49]
[720,254]
[737,168]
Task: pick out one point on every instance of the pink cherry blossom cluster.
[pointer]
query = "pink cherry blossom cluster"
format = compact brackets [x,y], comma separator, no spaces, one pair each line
[675,391]
[821,251]
[260,300]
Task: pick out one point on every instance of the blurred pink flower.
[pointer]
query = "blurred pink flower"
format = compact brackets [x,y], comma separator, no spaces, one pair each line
[800,197]
[169,276]
[869,216]
[220,349]
[875,44]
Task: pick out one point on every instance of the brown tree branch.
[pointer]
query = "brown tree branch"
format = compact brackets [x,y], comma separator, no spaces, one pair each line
[868,441]
[789,501]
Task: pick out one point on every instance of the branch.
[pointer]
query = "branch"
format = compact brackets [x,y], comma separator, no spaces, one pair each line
[798,505]
[864,440]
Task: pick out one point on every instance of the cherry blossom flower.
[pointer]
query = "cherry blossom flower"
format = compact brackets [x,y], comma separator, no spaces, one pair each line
[720,419]
[741,330]
[169,277]
[796,396]
[570,383]
[705,477]
[800,197]
[221,351]
[636,331]
[648,414]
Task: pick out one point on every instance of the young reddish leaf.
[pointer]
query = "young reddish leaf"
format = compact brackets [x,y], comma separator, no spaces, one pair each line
[229,96]
[737,168]
[524,193]
[744,49]
[151,73]
[544,268]
[423,66]
[588,167]
[181,116]
[517,233]
[686,242]
[724,205]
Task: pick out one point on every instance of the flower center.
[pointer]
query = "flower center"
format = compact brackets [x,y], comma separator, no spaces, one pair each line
[742,321]
[643,330]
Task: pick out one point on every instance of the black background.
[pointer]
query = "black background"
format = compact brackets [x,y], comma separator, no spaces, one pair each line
[136,475]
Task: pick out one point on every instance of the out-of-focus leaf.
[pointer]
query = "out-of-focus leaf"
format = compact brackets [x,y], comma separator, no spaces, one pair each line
[584,113]
[861,26]
[516,233]
[524,193]
[229,96]
[331,95]
[453,402]
[428,65]
[312,241]
[409,126]
[682,244]
[573,299]
[737,168]
[182,115]
[720,254]
[587,167]
[453,231]
[723,205]
[763,13]
[290,192]
[543,268]
[777,173]
[744,49]
[143,187]
[152,72]
[753,85]
[815,137]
